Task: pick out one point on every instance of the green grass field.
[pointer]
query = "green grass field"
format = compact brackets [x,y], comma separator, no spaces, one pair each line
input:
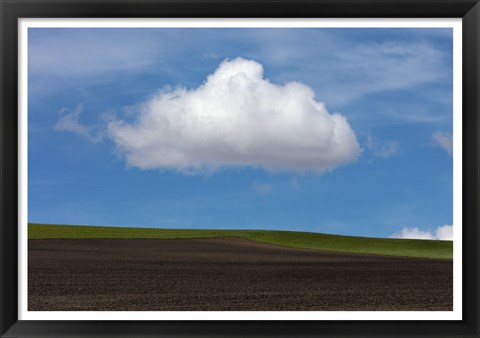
[306,240]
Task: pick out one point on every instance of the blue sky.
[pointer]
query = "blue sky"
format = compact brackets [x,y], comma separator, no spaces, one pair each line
[344,131]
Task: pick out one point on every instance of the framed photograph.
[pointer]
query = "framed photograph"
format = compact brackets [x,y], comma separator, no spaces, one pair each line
[239,169]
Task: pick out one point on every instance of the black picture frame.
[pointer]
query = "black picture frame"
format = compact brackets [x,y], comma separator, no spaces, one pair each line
[11,11]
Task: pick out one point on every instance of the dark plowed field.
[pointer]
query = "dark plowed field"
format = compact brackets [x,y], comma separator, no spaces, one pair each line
[226,274]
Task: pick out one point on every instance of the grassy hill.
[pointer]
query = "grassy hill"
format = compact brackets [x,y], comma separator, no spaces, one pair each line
[307,240]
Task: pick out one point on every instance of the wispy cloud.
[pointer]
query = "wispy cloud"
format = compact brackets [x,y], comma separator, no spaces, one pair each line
[261,188]
[70,122]
[336,64]
[81,53]
[211,55]
[236,118]
[294,183]
[444,232]
[346,70]
[444,140]
[387,149]
[379,148]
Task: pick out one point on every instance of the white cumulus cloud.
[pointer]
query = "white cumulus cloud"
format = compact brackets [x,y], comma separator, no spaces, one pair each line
[444,233]
[236,118]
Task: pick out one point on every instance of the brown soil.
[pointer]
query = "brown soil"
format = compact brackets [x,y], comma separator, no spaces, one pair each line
[226,274]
